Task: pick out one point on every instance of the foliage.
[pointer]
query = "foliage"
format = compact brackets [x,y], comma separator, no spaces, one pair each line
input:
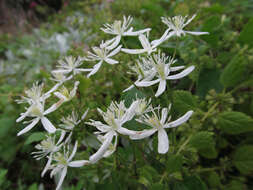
[212,151]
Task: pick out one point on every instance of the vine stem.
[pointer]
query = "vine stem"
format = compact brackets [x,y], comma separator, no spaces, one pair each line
[209,111]
[183,145]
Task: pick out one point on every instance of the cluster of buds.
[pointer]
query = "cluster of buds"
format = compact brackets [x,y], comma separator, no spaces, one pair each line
[152,67]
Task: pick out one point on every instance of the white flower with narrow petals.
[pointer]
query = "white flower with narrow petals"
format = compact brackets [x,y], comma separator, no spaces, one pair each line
[70,65]
[64,95]
[112,147]
[115,116]
[163,71]
[147,46]
[119,29]
[177,24]
[159,124]
[63,161]
[101,54]
[34,94]
[72,120]
[48,147]
[36,110]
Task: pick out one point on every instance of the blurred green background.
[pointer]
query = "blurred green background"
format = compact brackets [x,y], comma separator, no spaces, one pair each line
[35,34]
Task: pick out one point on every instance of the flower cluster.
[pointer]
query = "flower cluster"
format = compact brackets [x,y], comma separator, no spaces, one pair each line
[153,67]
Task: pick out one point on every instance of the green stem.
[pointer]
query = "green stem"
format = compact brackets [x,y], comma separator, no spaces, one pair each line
[209,111]
[183,145]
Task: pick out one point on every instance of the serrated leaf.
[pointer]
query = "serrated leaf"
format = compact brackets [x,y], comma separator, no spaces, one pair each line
[183,101]
[235,123]
[246,36]
[35,137]
[234,71]
[243,159]
[203,141]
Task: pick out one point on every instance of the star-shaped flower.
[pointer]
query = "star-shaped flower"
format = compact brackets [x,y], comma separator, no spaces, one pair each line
[159,124]
[119,29]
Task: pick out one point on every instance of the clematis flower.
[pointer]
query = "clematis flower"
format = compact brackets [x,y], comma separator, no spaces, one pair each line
[72,120]
[112,147]
[34,95]
[115,116]
[144,69]
[101,54]
[36,111]
[63,161]
[64,95]
[177,24]
[159,124]
[147,46]
[70,65]
[163,71]
[48,147]
[119,29]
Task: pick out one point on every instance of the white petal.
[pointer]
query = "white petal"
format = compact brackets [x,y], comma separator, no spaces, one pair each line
[83,70]
[115,43]
[196,33]
[170,35]
[188,21]
[29,127]
[143,134]
[172,69]
[111,61]
[63,133]
[163,141]
[78,163]
[84,115]
[47,166]
[73,152]
[115,51]
[23,116]
[130,112]
[161,88]
[134,51]
[157,42]
[53,107]
[60,96]
[164,115]
[125,131]
[63,174]
[144,41]
[95,68]
[180,120]
[136,33]
[48,125]
[147,83]
[107,42]
[129,88]
[181,74]
[101,151]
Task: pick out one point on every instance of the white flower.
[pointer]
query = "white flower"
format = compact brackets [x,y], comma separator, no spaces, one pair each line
[48,147]
[159,124]
[34,95]
[72,120]
[64,95]
[101,54]
[115,116]
[70,65]
[177,24]
[112,147]
[36,110]
[144,69]
[147,46]
[120,29]
[163,70]
[63,161]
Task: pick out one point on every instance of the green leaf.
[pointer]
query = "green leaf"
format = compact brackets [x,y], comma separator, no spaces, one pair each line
[203,141]
[183,101]
[234,71]
[213,179]
[193,183]
[35,137]
[212,25]
[235,123]
[208,79]
[174,163]
[33,187]
[243,159]
[3,173]
[246,36]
